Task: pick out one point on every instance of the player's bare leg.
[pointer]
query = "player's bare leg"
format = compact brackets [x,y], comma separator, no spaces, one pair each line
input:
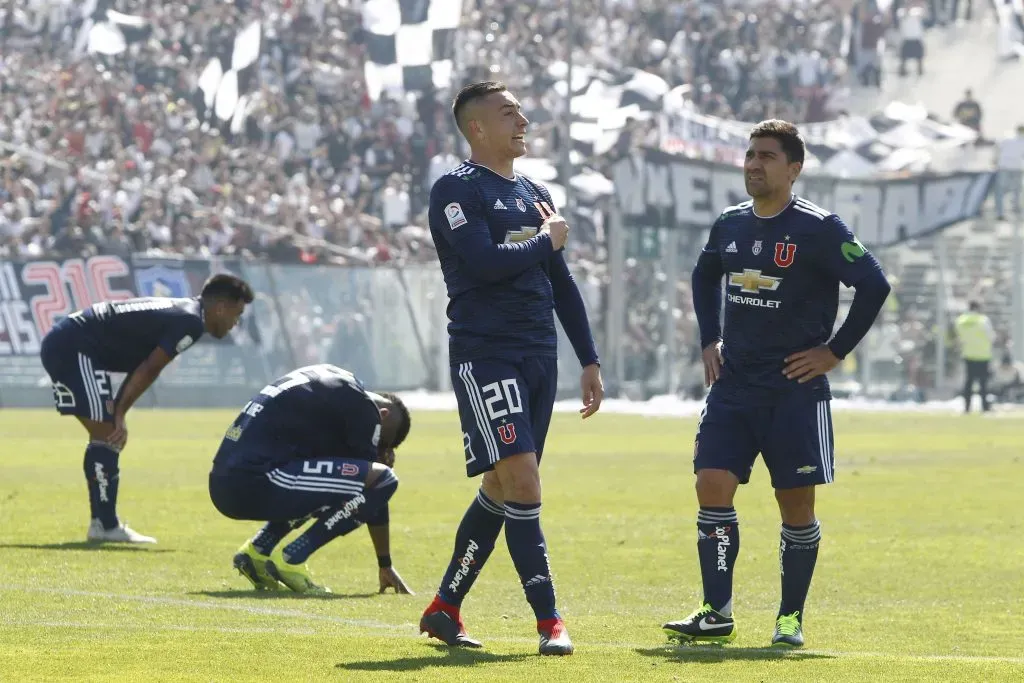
[798,552]
[102,476]
[519,476]
[718,544]
[474,542]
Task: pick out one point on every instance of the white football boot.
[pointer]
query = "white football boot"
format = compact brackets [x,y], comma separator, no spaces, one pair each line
[119,534]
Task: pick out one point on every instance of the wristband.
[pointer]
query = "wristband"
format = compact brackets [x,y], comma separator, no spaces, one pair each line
[384,561]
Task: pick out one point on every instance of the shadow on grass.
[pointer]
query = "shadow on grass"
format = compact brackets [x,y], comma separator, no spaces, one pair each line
[713,654]
[89,545]
[279,595]
[446,656]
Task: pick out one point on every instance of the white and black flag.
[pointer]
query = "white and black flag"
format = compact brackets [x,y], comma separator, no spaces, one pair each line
[224,83]
[409,44]
[106,32]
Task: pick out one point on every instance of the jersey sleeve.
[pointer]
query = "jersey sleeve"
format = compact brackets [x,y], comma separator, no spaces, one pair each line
[843,256]
[182,331]
[569,305]
[706,289]
[457,216]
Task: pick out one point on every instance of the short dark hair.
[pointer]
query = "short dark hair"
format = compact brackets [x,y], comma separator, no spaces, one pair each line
[404,419]
[471,92]
[974,305]
[229,287]
[786,133]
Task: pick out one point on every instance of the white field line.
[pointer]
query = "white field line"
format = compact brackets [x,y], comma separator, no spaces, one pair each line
[407,630]
[206,604]
[149,628]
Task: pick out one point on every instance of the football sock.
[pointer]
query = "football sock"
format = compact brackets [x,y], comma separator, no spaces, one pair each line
[530,556]
[798,552]
[102,475]
[267,538]
[718,545]
[474,542]
[339,521]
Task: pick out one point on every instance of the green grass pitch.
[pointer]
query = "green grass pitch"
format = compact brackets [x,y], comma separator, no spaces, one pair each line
[920,576]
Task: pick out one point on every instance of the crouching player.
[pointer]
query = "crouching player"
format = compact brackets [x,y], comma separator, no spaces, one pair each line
[314,444]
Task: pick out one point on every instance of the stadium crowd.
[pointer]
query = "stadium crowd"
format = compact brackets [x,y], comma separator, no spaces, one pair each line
[111,153]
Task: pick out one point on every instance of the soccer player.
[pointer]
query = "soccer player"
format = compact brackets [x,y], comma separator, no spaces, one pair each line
[499,241]
[783,259]
[312,444]
[134,336]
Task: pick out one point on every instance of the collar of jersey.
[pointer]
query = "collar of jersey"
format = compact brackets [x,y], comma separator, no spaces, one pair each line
[513,179]
[792,198]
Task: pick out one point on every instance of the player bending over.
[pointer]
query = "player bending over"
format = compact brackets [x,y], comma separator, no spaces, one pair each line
[783,259]
[134,336]
[500,244]
[312,445]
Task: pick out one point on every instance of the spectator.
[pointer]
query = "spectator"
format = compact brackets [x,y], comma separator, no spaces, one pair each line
[968,112]
[1010,172]
[872,28]
[1008,381]
[911,26]
[975,335]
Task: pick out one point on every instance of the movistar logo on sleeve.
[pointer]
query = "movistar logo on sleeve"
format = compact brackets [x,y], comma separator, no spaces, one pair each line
[853,250]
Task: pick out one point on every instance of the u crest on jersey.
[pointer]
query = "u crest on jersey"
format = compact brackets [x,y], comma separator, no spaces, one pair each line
[507,432]
[785,253]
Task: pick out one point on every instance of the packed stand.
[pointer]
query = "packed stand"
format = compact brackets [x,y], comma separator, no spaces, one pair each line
[111,154]
[319,171]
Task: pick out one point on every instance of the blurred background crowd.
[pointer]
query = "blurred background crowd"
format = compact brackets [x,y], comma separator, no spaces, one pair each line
[113,154]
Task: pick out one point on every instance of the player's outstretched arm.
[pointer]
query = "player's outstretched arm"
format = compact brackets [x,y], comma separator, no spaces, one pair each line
[135,386]
[572,312]
[380,534]
[457,214]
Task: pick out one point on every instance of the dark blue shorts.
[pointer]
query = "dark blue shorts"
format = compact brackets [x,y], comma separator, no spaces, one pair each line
[794,437]
[291,490]
[80,387]
[505,408]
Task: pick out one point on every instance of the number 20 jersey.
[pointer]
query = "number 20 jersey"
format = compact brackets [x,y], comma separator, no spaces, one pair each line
[317,411]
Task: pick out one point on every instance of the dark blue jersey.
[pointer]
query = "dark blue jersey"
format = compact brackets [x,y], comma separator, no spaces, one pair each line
[504,280]
[119,335]
[782,278]
[318,411]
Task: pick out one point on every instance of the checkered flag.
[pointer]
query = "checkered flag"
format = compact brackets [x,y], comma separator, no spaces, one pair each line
[224,91]
[410,44]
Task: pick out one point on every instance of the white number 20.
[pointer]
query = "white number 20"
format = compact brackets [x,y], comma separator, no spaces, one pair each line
[506,391]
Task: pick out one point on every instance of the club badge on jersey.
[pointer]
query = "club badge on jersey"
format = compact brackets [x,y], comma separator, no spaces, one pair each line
[785,252]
